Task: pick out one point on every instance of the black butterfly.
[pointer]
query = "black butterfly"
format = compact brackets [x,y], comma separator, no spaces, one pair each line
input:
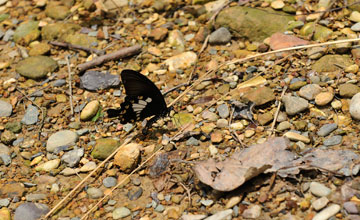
[143,99]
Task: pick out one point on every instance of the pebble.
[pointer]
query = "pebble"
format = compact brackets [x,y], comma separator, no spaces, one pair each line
[59,82]
[351,207]
[355,27]
[223,110]
[35,197]
[94,193]
[354,107]
[192,217]
[222,123]
[95,80]
[336,104]
[334,140]
[207,202]
[348,90]
[31,115]
[327,212]
[159,208]
[220,36]
[252,212]
[36,67]
[181,61]
[324,98]
[192,142]
[355,16]
[213,150]
[294,105]
[30,211]
[109,182]
[208,115]
[309,91]
[293,136]
[327,129]
[319,189]
[221,215]
[233,201]
[60,139]
[73,157]
[48,166]
[282,126]
[237,126]
[4,202]
[320,203]
[121,212]
[5,109]
[249,133]
[89,166]
[128,157]
[277,4]
[90,110]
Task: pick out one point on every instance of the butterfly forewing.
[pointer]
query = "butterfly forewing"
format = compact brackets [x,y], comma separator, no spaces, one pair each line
[143,99]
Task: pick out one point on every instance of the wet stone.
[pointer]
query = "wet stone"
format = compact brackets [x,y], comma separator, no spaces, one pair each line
[30,211]
[220,36]
[223,110]
[94,80]
[334,140]
[326,129]
[109,182]
[5,109]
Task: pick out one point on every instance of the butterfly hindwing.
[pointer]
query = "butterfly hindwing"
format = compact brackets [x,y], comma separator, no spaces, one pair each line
[143,99]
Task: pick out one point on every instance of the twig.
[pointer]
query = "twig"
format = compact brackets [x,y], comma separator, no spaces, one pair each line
[42,111]
[188,191]
[123,52]
[198,55]
[277,112]
[77,47]
[70,87]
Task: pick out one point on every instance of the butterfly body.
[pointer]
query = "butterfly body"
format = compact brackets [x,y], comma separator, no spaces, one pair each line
[143,99]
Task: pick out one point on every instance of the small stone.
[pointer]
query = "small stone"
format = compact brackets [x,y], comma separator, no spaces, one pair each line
[315,53]
[354,107]
[48,166]
[237,126]
[233,201]
[30,211]
[109,182]
[159,208]
[320,203]
[181,61]
[4,203]
[207,202]
[94,193]
[158,34]
[249,133]
[294,105]
[285,125]
[260,95]
[252,212]
[58,12]
[326,129]
[220,36]
[348,90]
[31,115]
[5,109]
[296,137]
[13,127]
[121,212]
[334,140]
[352,68]
[72,158]
[192,142]
[351,207]
[222,123]
[336,104]
[319,189]
[297,85]
[213,150]
[223,110]
[39,49]
[32,197]
[221,215]
[208,115]
[36,67]
[355,16]
[265,118]
[89,166]
[327,212]
[216,137]
[176,39]
[95,80]
[324,98]
[128,157]
[310,91]
[90,110]
[277,4]
[60,139]
[7,137]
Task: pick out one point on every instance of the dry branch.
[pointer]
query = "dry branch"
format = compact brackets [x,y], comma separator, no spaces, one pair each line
[123,52]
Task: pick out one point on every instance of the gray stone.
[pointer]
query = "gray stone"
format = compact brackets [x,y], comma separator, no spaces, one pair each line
[319,189]
[326,129]
[33,197]
[61,139]
[159,208]
[109,182]
[5,109]
[6,159]
[59,82]
[192,142]
[223,110]
[320,203]
[94,80]
[121,212]
[30,211]
[334,140]
[31,115]
[309,91]
[354,107]
[4,202]
[220,36]
[294,105]
[351,207]
[356,27]
[73,157]
[94,193]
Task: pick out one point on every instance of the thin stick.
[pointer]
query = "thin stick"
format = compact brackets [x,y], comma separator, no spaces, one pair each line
[195,65]
[123,52]
[130,137]
[77,47]
[70,87]
[277,112]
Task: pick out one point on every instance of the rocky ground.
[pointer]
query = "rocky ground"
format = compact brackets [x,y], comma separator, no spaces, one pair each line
[215,156]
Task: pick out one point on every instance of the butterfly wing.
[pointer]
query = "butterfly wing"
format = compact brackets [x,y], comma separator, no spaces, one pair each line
[143,98]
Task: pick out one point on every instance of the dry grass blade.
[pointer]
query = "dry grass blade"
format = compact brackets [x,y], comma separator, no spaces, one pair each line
[277,112]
